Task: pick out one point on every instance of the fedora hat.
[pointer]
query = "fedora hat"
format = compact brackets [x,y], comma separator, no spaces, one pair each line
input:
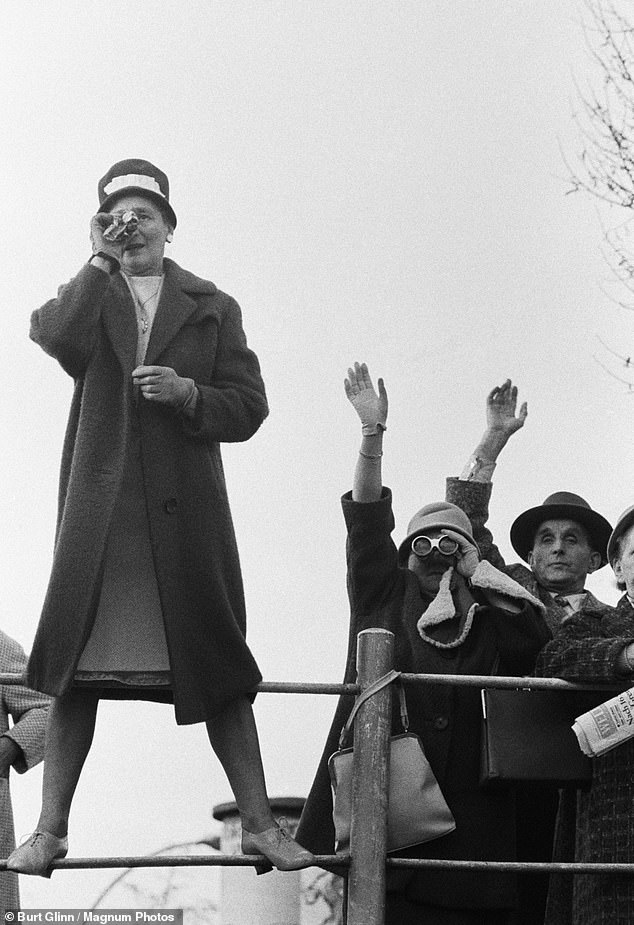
[440,515]
[135,175]
[562,505]
[625,521]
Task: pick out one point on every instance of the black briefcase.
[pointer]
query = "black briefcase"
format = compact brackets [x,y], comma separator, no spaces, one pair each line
[527,736]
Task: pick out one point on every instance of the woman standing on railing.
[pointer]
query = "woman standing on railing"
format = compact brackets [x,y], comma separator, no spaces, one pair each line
[145,598]
[450,614]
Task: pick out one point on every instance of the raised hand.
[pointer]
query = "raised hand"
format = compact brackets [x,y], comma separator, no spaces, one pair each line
[98,224]
[501,405]
[371,408]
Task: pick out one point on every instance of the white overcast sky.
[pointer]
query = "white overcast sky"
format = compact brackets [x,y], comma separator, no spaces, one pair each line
[380,181]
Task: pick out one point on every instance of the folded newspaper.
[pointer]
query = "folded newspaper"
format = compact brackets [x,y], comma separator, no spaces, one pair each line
[607,725]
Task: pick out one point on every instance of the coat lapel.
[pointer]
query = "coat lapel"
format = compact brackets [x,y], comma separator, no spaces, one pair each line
[119,320]
[175,307]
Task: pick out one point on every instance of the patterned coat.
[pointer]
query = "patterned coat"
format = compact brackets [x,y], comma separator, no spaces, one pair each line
[585,649]
[91,330]
[27,711]
[447,719]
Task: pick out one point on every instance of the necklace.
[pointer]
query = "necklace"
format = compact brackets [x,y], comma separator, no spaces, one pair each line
[142,313]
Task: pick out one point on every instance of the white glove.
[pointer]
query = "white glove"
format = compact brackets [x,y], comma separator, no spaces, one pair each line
[371,408]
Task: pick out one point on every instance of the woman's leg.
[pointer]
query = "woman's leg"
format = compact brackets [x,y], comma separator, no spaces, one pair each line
[234,738]
[69,733]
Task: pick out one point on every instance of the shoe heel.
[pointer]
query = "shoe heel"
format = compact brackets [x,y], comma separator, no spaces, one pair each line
[263,868]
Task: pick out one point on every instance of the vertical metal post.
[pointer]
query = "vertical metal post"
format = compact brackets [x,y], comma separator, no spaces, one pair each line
[370,776]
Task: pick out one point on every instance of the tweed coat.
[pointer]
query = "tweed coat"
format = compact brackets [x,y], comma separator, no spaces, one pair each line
[447,719]
[27,711]
[586,649]
[91,330]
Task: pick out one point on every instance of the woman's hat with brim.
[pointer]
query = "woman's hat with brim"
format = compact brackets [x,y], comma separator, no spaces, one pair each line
[440,515]
[136,176]
[623,524]
[562,505]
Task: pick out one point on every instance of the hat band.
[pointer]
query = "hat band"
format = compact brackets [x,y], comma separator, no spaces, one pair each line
[133,179]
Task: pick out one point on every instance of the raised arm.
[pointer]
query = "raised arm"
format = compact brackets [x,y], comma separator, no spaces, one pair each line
[66,327]
[472,490]
[502,423]
[372,411]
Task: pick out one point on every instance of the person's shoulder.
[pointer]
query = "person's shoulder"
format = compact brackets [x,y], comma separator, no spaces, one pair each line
[189,282]
[12,656]
[593,607]
[523,576]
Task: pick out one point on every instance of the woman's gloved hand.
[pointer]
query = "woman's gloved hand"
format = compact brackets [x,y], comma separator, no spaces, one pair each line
[162,384]
[98,224]
[371,408]
[468,556]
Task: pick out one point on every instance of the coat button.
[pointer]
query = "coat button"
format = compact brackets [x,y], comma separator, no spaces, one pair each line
[440,722]
[171,505]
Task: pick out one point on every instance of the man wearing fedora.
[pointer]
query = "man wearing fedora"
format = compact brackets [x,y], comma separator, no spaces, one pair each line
[562,541]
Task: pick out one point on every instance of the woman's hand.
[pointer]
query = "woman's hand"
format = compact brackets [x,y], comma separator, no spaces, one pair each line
[162,384]
[371,408]
[501,404]
[98,224]
[467,554]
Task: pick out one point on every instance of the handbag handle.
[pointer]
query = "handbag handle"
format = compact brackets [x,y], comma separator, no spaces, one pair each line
[371,689]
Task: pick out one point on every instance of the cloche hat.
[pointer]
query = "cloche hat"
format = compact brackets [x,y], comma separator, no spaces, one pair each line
[135,175]
[562,505]
[440,515]
[625,521]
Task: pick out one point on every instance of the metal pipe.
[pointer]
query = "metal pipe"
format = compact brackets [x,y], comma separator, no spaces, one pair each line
[370,778]
[498,681]
[503,681]
[335,861]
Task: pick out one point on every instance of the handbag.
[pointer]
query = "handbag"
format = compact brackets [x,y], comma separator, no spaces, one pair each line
[527,736]
[417,811]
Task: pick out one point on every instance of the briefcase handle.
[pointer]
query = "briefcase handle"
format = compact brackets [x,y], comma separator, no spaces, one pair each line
[378,685]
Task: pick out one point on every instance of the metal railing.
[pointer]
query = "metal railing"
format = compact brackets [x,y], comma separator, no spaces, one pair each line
[366,865]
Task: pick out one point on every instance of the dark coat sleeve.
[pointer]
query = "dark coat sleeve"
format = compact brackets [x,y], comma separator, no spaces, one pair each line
[233,405]
[66,327]
[473,498]
[372,557]
[519,636]
[372,574]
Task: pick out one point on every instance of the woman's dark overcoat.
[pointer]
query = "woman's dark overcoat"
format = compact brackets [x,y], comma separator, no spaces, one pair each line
[600,827]
[447,719]
[91,329]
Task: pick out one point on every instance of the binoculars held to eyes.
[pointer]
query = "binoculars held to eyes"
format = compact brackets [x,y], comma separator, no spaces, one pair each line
[423,545]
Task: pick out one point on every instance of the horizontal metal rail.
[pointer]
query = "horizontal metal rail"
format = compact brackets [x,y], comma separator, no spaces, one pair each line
[336,862]
[523,867]
[177,860]
[458,680]
[502,681]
